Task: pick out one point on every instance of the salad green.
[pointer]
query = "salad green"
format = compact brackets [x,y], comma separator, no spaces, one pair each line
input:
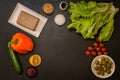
[91,18]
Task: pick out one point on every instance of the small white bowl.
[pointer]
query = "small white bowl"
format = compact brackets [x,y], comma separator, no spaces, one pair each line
[63,5]
[106,75]
[60,19]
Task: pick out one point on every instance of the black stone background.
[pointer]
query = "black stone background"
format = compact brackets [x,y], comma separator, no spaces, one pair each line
[62,51]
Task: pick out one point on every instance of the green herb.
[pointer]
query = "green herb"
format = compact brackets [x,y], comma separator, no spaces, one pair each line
[88,18]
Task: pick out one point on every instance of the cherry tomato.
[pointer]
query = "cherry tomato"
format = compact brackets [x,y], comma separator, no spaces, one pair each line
[93,53]
[99,52]
[90,48]
[101,45]
[87,52]
[95,44]
[103,49]
[98,48]
[97,40]
[105,53]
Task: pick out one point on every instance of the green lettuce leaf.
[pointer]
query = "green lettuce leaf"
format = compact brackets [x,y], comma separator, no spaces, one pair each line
[88,18]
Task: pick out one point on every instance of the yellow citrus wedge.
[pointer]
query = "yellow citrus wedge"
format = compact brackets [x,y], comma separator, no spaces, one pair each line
[35,60]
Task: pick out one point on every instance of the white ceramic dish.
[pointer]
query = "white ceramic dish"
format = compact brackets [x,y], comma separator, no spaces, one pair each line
[63,5]
[13,19]
[106,75]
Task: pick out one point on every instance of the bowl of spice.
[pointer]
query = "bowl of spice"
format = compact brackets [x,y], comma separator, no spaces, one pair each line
[63,5]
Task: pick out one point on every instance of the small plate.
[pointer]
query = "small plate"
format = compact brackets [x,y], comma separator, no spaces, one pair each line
[99,58]
[14,17]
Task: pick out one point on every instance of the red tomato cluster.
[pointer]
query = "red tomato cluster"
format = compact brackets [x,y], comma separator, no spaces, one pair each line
[97,48]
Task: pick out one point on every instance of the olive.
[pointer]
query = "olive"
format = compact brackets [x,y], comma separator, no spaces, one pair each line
[103,62]
[109,65]
[99,66]
[102,72]
[103,58]
[107,59]
[96,68]
[31,72]
[100,63]
[96,62]
[108,71]
[110,62]
[98,72]
[104,69]
[103,66]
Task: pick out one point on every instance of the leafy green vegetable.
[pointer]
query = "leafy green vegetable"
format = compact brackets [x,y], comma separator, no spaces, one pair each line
[88,18]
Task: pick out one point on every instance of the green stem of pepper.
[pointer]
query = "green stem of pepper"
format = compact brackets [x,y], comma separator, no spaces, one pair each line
[15,41]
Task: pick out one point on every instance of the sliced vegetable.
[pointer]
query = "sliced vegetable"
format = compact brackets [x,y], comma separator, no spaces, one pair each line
[35,60]
[31,72]
[14,59]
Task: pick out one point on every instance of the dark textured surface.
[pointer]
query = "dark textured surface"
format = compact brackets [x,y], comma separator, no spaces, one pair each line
[62,51]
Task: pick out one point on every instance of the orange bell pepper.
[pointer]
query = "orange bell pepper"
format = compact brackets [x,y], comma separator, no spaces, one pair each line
[21,43]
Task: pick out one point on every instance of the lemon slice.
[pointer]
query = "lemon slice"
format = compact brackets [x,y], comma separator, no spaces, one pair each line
[35,60]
